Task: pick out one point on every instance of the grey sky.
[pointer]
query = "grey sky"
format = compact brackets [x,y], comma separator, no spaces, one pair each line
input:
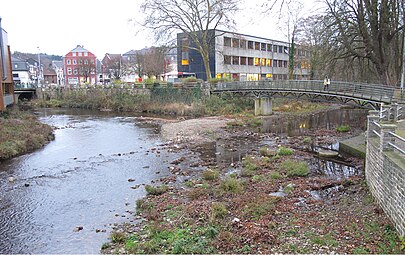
[102,26]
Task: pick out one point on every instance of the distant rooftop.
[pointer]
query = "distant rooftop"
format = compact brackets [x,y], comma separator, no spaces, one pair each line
[79,49]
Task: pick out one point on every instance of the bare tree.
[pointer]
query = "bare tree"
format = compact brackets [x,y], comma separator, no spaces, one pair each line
[154,61]
[192,17]
[86,68]
[369,30]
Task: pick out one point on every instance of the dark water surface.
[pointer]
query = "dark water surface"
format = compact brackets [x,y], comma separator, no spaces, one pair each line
[78,180]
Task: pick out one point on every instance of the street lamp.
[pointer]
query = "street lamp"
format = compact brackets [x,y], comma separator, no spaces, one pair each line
[39,67]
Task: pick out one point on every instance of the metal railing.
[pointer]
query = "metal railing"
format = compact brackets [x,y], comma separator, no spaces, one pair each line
[375,92]
[384,123]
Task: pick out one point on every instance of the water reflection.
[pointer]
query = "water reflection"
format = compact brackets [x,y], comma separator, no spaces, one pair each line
[80,179]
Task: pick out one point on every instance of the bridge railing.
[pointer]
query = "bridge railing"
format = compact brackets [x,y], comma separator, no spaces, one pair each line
[383,127]
[356,90]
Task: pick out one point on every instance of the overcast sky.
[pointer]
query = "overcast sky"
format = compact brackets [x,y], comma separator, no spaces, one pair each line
[101,26]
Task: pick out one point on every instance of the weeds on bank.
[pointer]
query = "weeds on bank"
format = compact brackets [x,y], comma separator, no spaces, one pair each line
[156,190]
[294,168]
[343,128]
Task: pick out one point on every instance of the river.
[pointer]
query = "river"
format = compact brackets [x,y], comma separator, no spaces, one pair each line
[67,196]
[82,179]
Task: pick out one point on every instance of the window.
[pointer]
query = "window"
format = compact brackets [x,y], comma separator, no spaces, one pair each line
[184,58]
[86,62]
[68,61]
[74,62]
[280,63]
[250,45]
[280,49]
[250,61]
[285,63]
[242,44]
[275,48]
[263,46]
[80,61]
[15,75]
[275,62]
[257,61]
[235,60]
[263,62]
[257,46]
[75,71]
[86,54]
[242,61]
[227,60]
[69,70]
[74,54]
[235,43]
[285,50]
[269,46]
[80,54]
[227,41]
[268,62]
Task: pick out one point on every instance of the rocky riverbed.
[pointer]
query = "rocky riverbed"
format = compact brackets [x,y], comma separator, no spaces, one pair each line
[256,192]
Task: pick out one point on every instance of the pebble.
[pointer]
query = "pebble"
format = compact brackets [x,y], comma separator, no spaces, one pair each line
[26,184]
[77,229]
[131,180]
[11,179]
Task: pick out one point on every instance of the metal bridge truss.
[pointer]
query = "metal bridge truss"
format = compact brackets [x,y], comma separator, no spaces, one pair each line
[363,95]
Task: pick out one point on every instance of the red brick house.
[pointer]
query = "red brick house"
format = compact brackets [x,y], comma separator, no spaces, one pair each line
[6,73]
[80,66]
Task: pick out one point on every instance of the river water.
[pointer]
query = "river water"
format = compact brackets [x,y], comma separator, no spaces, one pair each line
[79,180]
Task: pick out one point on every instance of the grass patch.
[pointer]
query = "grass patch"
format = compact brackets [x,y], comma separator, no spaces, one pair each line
[343,128]
[260,206]
[266,152]
[284,151]
[294,168]
[117,237]
[231,185]
[210,175]
[156,190]
[218,211]
[275,175]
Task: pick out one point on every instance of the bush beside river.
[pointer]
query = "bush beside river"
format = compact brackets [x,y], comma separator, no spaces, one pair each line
[21,132]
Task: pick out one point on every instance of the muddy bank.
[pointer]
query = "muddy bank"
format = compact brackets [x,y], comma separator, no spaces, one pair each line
[21,132]
[276,195]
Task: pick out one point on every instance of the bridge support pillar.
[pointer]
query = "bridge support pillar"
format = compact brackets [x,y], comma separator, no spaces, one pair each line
[263,106]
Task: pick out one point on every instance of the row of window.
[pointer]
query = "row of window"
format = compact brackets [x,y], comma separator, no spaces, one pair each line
[244,44]
[76,72]
[251,61]
[80,54]
[74,61]
[251,45]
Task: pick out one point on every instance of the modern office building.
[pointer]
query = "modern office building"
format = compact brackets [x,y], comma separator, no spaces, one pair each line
[241,57]
[6,74]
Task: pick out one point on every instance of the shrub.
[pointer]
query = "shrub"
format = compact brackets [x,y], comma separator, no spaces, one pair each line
[196,193]
[231,185]
[284,151]
[117,237]
[343,128]
[156,190]
[210,175]
[275,175]
[266,152]
[249,164]
[218,211]
[307,140]
[294,168]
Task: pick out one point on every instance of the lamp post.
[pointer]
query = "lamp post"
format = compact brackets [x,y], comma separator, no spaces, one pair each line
[39,67]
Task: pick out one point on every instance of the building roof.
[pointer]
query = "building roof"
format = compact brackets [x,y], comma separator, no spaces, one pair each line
[57,63]
[19,64]
[79,49]
[49,72]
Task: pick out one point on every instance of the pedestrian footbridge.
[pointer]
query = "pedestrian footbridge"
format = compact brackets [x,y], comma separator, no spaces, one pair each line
[364,95]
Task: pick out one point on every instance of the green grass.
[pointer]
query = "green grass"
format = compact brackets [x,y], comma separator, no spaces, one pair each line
[260,206]
[294,168]
[156,190]
[218,211]
[210,175]
[284,151]
[343,128]
[117,237]
[231,185]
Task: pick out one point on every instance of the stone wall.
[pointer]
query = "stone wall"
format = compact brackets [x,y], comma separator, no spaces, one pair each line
[385,175]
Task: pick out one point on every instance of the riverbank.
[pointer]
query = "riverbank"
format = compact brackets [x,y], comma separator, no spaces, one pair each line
[21,132]
[278,199]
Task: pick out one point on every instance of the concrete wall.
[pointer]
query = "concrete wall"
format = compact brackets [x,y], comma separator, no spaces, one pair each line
[385,175]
